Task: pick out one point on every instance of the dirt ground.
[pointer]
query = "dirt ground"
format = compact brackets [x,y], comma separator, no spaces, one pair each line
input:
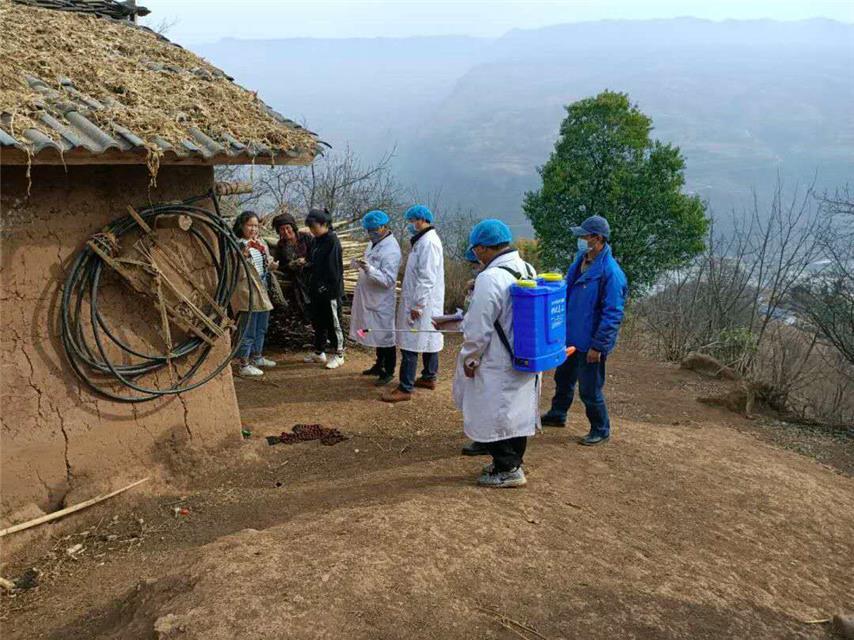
[690,523]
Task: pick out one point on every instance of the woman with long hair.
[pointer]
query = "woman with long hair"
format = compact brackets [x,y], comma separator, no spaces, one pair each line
[247,228]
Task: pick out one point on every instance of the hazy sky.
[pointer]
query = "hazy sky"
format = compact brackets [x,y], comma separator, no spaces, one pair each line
[208,20]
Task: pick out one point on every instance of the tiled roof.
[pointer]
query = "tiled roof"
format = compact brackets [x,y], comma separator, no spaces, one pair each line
[103,8]
[66,129]
[142,95]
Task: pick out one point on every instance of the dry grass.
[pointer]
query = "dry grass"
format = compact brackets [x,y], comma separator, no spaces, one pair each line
[109,61]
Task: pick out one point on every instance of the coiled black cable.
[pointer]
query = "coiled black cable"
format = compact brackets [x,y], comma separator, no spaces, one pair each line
[86,343]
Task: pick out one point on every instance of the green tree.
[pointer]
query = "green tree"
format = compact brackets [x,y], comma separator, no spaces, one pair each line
[605,163]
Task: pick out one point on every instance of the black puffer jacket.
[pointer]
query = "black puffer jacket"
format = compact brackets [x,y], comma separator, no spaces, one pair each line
[327,268]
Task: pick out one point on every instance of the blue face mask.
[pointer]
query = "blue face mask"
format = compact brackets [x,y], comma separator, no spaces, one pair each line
[583,247]
[410,228]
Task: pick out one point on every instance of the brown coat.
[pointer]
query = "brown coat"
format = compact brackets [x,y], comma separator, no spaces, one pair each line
[260,299]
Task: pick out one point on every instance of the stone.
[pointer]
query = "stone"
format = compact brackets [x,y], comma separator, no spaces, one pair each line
[708,366]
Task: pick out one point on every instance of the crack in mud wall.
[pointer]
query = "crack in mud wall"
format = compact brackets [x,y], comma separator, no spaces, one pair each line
[57,436]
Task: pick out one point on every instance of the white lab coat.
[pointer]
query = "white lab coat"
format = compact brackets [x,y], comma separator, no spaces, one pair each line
[424,289]
[373,301]
[499,402]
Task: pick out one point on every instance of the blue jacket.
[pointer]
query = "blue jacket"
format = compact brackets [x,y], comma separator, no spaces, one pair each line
[594,303]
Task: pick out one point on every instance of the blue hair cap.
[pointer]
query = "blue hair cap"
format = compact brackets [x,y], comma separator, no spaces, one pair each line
[374,220]
[488,233]
[419,212]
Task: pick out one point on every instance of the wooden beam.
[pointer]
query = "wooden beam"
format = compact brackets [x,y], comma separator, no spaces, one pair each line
[13,156]
[174,315]
[142,223]
[181,271]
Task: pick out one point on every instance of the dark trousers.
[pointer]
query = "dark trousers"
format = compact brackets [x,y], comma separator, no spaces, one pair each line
[386,359]
[326,322]
[409,367]
[507,454]
[590,378]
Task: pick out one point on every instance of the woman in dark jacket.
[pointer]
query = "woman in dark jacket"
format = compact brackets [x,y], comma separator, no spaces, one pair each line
[326,289]
[293,252]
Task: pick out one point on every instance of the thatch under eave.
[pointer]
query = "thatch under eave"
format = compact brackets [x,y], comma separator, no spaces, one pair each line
[139,83]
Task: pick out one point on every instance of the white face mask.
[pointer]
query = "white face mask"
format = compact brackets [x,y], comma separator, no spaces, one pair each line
[583,245]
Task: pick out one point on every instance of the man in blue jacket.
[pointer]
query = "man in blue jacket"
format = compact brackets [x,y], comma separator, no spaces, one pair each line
[596,294]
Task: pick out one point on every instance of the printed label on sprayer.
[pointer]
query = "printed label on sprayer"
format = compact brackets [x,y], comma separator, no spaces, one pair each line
[558,310]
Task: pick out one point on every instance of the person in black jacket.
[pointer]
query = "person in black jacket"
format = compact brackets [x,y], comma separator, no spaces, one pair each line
[326,289]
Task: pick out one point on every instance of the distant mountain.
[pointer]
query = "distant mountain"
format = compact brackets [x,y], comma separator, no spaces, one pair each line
[745,100]
[368,93]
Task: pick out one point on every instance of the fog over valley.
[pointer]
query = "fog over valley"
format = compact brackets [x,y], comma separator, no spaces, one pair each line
[746,101]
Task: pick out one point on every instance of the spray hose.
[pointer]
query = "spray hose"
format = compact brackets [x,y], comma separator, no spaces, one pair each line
[95,350]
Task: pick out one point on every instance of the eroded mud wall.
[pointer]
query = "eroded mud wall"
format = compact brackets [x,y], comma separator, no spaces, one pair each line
[57,436]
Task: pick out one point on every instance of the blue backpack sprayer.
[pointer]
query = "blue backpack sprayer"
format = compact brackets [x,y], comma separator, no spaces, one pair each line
[539,323]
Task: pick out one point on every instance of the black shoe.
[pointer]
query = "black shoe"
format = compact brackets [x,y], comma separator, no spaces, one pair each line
[475,449]
[384,379]
[373,371]
[553,420]
[591,440]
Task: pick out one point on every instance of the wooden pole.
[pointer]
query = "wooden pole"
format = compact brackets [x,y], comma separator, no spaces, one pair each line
[232,188]
[64,512]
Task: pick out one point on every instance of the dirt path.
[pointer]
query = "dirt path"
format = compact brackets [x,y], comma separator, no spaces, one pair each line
[687,525]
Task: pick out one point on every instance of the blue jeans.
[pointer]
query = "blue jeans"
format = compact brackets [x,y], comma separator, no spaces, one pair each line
[256,332]
[591,380]
[409,366]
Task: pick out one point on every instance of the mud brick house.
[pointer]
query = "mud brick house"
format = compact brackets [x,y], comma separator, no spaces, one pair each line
[98,113]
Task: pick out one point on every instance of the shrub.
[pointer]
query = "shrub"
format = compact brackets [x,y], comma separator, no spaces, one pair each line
[754,301]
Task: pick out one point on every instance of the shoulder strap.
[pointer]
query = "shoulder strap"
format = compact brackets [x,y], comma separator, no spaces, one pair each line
[503,337]
[529,271]
[512,272]
[497,325]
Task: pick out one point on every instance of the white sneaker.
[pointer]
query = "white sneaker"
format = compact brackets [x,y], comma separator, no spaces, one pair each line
[248,371]
[263,363]
[335,362]
[503,479]
[318,358]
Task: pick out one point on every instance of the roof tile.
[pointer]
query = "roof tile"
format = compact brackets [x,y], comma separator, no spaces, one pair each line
[62,117]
